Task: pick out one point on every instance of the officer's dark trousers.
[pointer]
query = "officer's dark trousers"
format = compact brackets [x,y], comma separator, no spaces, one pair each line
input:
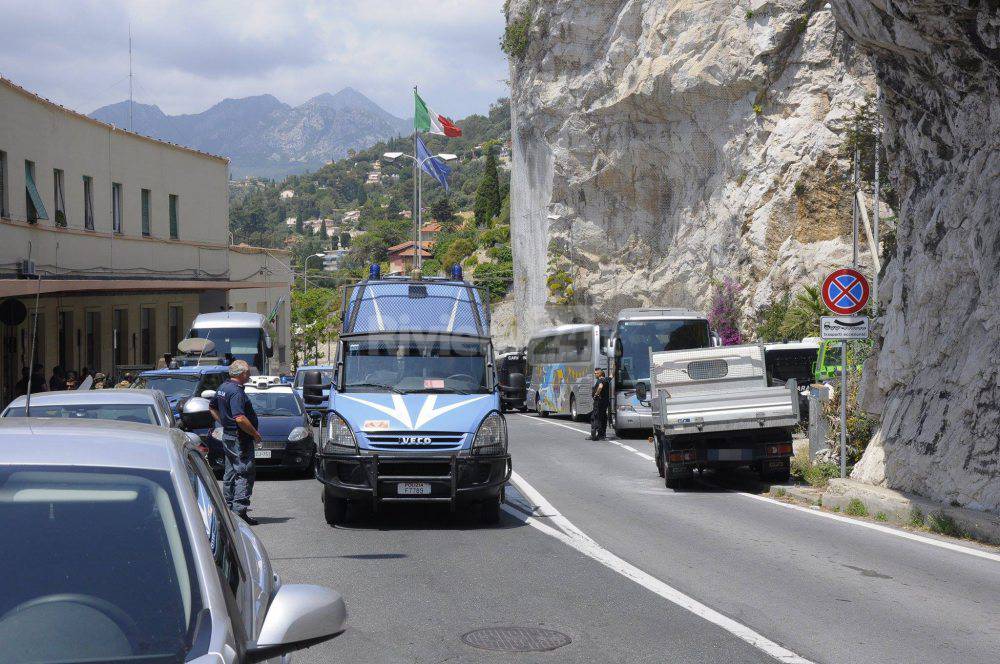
[599,420]
[237,483]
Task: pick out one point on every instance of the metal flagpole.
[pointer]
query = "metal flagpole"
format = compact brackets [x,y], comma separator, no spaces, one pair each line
[416,185]
[417,257]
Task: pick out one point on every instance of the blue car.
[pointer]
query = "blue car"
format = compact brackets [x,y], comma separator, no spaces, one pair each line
[185,382]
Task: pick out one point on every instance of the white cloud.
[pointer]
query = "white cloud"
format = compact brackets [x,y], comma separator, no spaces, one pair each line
[189,54]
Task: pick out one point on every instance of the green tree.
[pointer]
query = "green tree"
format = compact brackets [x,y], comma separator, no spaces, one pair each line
[802,318]
[488,201]
[457,252]
[315,320]
[770,319]
[443,213]
[494,277]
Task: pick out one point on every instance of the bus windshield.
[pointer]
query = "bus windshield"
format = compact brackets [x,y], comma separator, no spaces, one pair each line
[416,363]
[639,336]
[243,343]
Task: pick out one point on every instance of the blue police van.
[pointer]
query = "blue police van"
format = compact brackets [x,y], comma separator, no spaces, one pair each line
[414,410]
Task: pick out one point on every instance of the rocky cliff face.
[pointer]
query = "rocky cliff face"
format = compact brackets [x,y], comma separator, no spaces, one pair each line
[938,372]
[659,146]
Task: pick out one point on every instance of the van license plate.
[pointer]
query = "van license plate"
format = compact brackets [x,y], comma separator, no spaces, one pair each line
[262,454]
[413,489]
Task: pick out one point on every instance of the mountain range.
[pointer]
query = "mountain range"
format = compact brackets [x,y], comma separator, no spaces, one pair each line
[265,137]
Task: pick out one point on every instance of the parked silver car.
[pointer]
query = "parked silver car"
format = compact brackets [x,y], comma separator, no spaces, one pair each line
[125,552]
[120,405]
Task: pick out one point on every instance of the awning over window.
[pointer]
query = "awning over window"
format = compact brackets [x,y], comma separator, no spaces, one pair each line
[36,200]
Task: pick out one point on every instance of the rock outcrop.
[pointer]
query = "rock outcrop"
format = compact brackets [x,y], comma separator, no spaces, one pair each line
[661,146]
[938,375]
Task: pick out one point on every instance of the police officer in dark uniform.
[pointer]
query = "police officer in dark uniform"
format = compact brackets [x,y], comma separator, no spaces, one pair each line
[233,410]
[599,415]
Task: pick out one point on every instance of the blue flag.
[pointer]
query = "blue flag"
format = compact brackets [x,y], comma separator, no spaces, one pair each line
[433,166]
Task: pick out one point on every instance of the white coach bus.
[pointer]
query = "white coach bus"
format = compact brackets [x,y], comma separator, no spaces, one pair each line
[561,363]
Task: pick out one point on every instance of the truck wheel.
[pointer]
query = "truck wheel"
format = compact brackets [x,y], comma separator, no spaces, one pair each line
[489,511]
[334,508]
[671,482]
[659,462]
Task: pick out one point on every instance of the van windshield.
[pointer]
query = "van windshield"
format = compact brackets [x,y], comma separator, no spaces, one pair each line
[243,343]
[416,363]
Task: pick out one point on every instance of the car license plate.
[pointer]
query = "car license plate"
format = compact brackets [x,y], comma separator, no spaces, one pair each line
[262,454]
[730,455]
[413,489]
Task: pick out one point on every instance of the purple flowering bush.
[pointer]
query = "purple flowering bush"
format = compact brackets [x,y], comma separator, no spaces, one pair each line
[723,315]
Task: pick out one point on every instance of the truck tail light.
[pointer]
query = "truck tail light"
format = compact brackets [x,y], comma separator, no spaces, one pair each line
[679,456]
[778,450]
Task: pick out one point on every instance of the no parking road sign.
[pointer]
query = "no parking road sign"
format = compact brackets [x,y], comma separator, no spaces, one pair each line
[845,292]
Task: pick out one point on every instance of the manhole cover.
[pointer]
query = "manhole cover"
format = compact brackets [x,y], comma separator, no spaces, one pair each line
[516,639]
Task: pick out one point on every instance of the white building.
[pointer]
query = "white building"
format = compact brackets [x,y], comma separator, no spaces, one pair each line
[129,235]
[286,194]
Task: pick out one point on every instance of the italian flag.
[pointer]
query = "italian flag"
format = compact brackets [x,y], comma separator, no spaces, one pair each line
[426,120]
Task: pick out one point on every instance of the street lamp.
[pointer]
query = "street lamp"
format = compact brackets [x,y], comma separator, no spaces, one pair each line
[305,268]
[417,222]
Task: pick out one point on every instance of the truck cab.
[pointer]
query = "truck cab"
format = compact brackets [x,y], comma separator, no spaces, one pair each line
[236,335]
[415,408]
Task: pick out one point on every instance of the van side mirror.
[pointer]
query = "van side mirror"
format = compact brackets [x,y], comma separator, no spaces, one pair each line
[716,340]
[299,616]
[312,387]
[515,382]
[195,414]
[268,347]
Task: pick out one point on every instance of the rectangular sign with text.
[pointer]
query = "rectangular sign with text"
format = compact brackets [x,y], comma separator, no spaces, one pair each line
[844,327]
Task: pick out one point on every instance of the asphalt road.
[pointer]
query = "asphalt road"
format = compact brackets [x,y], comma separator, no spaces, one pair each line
[630,571]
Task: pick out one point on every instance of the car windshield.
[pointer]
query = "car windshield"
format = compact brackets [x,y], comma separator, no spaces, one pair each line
[87,540]
[326,377]
[243,343]
[274,404]
[415,363]
[174,387]
[638,337]
[141,413]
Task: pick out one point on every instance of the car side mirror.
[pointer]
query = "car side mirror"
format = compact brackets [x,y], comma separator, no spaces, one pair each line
[299,616]
[195,414]
[641,391]
[208,394]
[312,388]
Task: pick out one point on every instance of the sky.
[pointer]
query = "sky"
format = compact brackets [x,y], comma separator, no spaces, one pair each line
[190,54]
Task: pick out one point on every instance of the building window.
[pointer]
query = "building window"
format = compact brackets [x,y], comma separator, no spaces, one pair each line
[120,339]
[147,335]
[59,196]
[4,203]
[93,332]
[88,202]
[32,199]
[66,340]
[145,213]
[173,217]
[116,207]
[175,318]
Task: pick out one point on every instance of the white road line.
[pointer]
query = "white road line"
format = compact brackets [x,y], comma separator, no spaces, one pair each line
[585,545]
[539,506]
[829,515]
[572,428]
[880,528]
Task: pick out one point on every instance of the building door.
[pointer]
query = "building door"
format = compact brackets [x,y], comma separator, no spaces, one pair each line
[93,340]
[66,359]
[175,319]
[147,335]
[120,339]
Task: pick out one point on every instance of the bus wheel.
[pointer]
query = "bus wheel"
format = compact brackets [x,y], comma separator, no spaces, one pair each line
[574,415]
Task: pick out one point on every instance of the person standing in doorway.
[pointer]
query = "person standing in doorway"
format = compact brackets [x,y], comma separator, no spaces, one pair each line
[599,415]
[58,380]
[234,411]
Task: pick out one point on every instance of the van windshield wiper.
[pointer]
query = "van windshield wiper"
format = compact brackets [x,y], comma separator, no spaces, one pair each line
[435,390]
[390,388]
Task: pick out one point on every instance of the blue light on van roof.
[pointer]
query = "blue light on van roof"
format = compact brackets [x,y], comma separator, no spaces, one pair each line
[456,272]
[375,271]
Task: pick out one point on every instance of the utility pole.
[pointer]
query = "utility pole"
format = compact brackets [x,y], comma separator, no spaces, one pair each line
[131,127]
[877,216]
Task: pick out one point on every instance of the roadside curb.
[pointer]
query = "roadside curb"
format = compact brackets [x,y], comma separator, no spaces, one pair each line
[903,508]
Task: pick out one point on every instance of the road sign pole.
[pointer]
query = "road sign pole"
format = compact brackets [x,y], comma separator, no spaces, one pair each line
[843,409]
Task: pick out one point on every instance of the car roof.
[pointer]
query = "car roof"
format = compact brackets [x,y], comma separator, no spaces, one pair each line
[187,371]
[316,367]
[88,397]
[242,319]
[273,387]
[57,441]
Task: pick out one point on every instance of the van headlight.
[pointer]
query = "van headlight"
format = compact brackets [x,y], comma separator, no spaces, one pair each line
[297,434]
[340,439]
[491,438]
